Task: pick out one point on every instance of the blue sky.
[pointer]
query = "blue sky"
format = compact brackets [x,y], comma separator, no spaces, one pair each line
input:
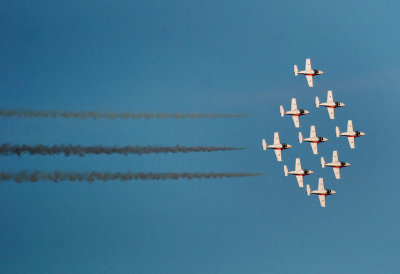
[202,57]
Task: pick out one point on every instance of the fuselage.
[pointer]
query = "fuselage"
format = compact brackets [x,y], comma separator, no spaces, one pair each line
[279,146]
[338,164]
[297,112]
[354,134]
[311,73]
[302,172]
[316,140]
[332,105]
[324,192]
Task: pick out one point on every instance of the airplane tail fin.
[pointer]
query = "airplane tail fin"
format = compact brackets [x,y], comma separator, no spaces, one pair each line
[317,102]
[285,169]
[300,137]
[282,111]
[308,190]
[296,70]
[337,132]
[264,144]
[322,162]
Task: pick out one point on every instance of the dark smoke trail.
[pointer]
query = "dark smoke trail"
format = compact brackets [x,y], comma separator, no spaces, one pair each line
[6,149]
[59,176]
[110,115]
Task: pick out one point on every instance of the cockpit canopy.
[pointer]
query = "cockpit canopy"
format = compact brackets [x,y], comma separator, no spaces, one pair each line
[284,145]
[357,133]
[301,111]
[321,138]
[328,191]
[306,171]
[337,104]
[316,71]
[343,163]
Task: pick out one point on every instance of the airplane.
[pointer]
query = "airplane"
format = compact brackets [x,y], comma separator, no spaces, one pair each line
[277,146]
[329,104]
[351,134]
[295,112]
[336,165]
[299,172]
[321,192]
[313,140]
[309,72]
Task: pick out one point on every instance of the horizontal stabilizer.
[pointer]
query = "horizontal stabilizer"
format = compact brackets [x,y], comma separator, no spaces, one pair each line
[300,138]
[296,70]
[285,170]
[322,162]
[317,102]
[264,144]
[308,190]
[337,132]
[282,111]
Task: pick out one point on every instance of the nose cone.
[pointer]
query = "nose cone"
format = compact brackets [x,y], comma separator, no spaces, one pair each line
[333,192]
[362,133]
[306,112]
[348,164]
[324,139]
[289,146]
[310,172]
[320,72]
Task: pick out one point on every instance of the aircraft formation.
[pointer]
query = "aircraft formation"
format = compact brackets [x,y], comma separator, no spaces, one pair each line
[314,140]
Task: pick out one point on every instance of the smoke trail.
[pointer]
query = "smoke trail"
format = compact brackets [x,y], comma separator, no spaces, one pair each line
[67,150]
[110,115]
[59,176]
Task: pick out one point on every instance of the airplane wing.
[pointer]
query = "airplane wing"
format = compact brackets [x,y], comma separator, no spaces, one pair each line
[310,81]
[336,170]
[308,65]
[329,97]
[335,157]
[313,132]
[296,120]
[321,184]
[314,147]
[298,164]
[294,104]
[300,180]
[276,138]
[351,141]
[278,154]
[331,112]
[322,200]
[350,126]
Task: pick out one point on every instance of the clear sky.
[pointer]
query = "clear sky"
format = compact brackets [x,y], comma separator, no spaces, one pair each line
[201,57]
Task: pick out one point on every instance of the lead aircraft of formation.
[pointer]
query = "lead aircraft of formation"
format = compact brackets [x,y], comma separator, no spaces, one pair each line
[308,72]
[350,133]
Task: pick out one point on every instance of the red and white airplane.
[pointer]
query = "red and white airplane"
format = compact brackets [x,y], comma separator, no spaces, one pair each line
[299,172]
[335,164]
[329,104]
[313,140]
[277,146]
[321,192]
[308,72]
[350,133]
[295,112]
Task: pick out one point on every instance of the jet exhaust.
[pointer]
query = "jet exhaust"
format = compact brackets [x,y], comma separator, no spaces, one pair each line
[60,176]
[67,150]
[111,115]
